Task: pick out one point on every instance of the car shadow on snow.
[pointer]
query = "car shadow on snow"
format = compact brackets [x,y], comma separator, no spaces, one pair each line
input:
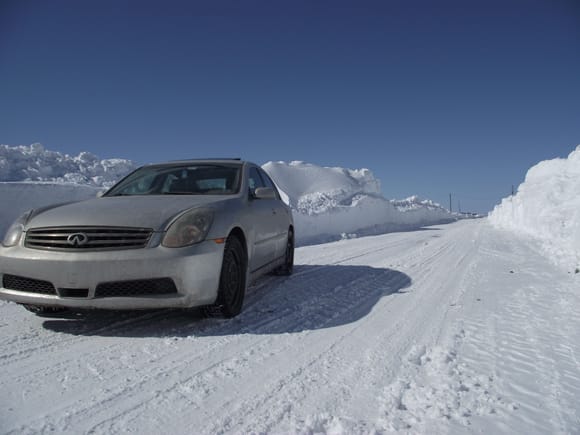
[314,297]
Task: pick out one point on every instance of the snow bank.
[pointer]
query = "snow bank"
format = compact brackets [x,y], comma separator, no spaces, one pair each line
[547,207]
[331,203]
[313,189]
[34,163]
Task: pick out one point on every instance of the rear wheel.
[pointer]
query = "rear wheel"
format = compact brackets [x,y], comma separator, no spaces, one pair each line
[232,286]
[288,266]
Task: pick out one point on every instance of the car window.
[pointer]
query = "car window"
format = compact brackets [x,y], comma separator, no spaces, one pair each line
[269,183]
[254,180]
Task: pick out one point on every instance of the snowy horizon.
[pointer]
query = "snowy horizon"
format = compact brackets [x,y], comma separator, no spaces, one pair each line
[328,202]
[35,163]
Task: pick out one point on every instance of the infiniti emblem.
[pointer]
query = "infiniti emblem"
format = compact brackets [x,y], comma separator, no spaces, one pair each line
[77,239]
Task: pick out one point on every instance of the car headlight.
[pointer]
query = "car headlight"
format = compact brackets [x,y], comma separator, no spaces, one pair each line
[14,233]
[189,228]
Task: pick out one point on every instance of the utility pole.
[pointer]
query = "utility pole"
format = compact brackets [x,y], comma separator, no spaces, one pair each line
[450,205]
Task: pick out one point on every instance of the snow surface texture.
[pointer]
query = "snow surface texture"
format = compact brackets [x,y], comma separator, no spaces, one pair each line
[331,203]
[547,207]
[457,329]
[328,203]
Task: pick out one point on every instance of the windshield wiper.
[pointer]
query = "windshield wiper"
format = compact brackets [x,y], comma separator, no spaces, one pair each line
[180,193]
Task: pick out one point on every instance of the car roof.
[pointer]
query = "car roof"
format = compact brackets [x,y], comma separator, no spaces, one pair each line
[236,161]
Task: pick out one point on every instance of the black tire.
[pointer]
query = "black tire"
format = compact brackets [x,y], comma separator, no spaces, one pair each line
[232,287]
[42,310]
[288,267]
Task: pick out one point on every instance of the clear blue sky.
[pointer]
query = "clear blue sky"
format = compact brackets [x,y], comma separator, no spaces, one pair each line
[435,97]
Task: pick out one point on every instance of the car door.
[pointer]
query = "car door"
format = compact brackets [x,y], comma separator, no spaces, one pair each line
[280,216]
[263,222]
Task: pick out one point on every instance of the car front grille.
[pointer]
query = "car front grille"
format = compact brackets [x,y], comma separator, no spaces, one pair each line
[13,282]
[87,238]
[141,287]
[134,288]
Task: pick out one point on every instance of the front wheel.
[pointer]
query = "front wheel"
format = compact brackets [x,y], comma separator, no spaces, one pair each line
[288,266]
[232,286]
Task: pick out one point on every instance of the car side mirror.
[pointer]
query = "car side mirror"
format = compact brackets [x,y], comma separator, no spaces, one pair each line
[264,193]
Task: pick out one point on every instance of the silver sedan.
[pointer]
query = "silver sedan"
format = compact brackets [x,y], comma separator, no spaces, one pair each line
[180,234]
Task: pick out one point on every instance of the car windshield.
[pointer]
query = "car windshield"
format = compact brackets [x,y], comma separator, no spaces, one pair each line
[190,179]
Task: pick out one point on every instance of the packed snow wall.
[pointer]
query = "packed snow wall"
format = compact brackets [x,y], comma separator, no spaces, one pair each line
[547,207]
[333,203]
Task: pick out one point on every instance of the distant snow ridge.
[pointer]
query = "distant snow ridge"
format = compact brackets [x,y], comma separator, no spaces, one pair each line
[34,163]
[331,203]
[547,207]
[415,203]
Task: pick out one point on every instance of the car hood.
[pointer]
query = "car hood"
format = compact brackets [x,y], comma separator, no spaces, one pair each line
[124,211]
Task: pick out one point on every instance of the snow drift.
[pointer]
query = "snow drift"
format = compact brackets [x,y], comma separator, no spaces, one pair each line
[331,203]
[328,203]
[547,207]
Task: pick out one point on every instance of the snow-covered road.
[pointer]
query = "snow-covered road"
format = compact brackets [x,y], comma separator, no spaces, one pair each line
[456,328]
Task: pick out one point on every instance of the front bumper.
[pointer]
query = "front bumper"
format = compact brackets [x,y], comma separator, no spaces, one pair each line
[194,270]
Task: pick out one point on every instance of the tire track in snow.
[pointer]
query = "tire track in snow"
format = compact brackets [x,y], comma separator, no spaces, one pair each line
[433,386]
[56,341]
[471,377]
